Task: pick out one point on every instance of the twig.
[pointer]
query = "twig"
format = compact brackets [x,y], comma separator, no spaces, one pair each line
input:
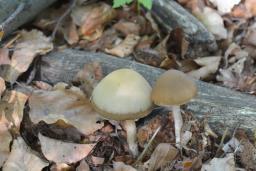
[64,15]
[12,16]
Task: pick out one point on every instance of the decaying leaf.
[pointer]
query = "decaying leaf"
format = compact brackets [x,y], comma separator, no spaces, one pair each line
[209,65]
[126,47]
[162,155]
[225,6]
[89,77]
[221,164]
[30,44]
[63,152]
[120,166]
[83,166]
[12,106]
[127,27]
[213,21]
[66,103]
[92,17]
[22,158]
[2,86]
[5,137]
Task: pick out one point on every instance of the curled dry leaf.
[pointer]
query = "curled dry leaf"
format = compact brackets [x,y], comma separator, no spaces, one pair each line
[2,86]
[213,22]
[63,152]
[127,27]
[225,6]
[120,166]
[209,65]
[12,106]
[22,158]
[30,44]
[221,164]
[162,155]
[92,18]
[126,47]
[75,108]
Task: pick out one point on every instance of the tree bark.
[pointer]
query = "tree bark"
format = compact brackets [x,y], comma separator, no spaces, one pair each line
[170,15]
[30,10]
[224,107]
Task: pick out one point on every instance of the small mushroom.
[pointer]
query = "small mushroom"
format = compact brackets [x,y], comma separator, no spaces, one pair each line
[123,95]
[172,89]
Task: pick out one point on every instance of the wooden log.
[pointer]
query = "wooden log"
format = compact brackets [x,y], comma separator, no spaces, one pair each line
[29,9]
[225,107]
[170,15]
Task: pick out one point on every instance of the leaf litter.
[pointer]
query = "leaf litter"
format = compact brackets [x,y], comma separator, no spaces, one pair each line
[63,129]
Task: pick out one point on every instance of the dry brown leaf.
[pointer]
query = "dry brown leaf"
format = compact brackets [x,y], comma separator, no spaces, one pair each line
[2,86]
[162,155]
[127,27]
[120,166]
[4,56]
[83,166]
[92,18]
[5,137]
[30,45]
[89,77]
[12,106]
[221,164]
[212,21]
[126,47]
[148,56]
[209,65]
[63,152]
[225,6]
[22,158]
[66,103]
[70,32]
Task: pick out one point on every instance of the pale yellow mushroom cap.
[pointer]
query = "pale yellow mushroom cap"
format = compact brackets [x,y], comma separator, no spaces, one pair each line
[173,87]
[122,95]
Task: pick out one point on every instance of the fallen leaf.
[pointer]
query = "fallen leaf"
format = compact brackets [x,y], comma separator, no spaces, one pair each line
[29,45]
[92,17]
[83,166]
[251,6]
[70,31]
[5,137]
[126,47]
[148,56]
[89,77]
[209,65]
[225,6]
[97,161]
[212,21]
[12,105]
[127,27]
[75,108]
[63,152]
[4,56]
[2,86]
[221,164]
[250,37]
[120,166]
[22,158]
[162,155]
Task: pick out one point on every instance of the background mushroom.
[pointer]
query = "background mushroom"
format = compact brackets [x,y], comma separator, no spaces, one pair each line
[172,89]
[123,95]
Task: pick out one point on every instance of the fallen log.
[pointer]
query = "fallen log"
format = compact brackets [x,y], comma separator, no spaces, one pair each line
[15,13]
[170,15]
[225,107]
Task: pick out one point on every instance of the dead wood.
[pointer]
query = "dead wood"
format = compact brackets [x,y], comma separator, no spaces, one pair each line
[225,107]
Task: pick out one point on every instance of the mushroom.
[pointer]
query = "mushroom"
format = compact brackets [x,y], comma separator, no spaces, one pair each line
[123,95]
[172,89]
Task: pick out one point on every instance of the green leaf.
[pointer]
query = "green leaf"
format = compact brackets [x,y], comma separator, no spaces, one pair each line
[146,3]
[119,3]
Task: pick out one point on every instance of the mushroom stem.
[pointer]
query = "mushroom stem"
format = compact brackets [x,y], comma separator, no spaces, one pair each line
[130,128]
[178,123]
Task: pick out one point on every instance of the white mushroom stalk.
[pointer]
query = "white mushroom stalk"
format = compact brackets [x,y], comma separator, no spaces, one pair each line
[130,128]
[178,123]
